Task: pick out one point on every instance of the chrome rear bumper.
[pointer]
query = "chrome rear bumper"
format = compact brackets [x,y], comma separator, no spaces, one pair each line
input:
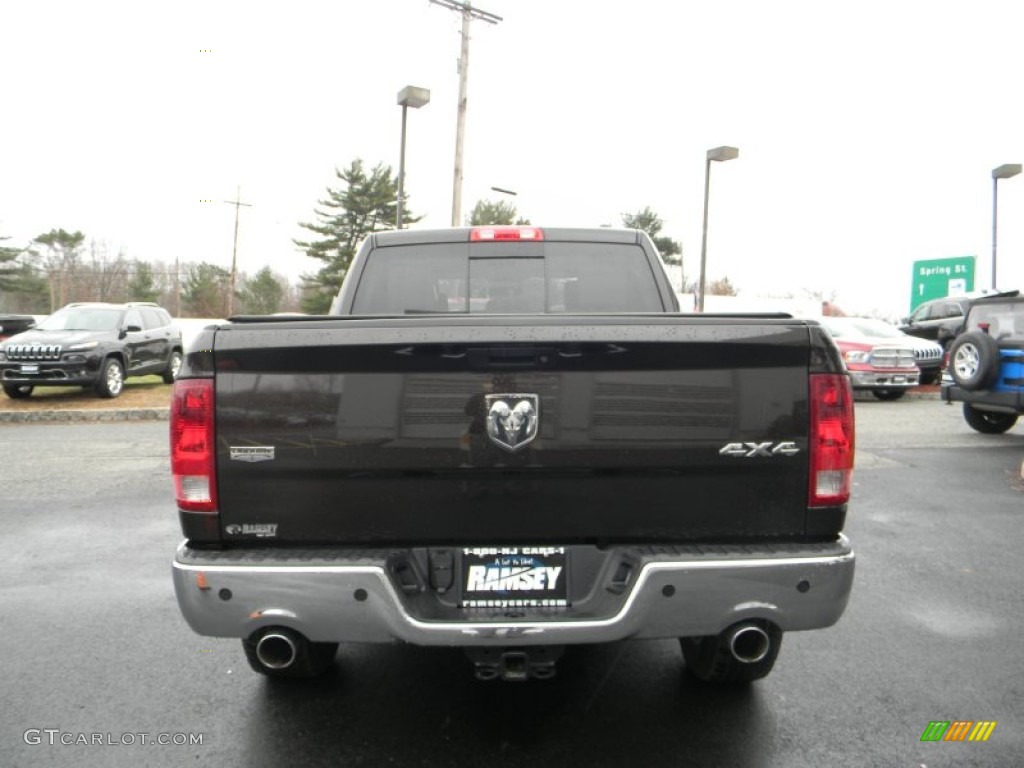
[354,597]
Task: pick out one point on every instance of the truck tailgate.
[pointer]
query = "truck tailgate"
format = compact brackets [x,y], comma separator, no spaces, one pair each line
[365,431]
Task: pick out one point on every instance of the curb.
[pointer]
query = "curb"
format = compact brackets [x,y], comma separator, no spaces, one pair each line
[124,414]
[924,394]
[918,393]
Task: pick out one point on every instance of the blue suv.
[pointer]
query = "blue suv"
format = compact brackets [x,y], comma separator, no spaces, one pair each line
[986,364]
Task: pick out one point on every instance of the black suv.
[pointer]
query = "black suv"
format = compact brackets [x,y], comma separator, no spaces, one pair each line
[942,320]
[92,345]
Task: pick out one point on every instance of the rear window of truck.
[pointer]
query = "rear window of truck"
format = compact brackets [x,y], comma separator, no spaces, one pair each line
[490,278]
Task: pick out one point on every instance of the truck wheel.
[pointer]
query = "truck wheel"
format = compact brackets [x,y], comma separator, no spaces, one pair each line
[18,391]
[888,394]
[743,653]
[173,366]
[284,653]
[988,422]
[974,360]
[111,380]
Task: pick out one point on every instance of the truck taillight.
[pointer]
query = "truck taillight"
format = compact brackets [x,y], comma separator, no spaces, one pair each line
[484,234]
[193,446]
[831,440]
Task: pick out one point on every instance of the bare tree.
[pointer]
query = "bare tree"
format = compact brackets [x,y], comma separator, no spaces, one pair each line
[721,287]
[107,277]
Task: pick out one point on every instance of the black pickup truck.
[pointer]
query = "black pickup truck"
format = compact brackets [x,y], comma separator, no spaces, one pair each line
[509,440]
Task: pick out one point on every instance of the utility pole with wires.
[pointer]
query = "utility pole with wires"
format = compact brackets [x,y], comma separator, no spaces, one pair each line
[234,249]
[468,14]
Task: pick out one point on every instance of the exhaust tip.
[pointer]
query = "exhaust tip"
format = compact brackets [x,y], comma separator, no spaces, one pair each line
[749,644]
[276,651]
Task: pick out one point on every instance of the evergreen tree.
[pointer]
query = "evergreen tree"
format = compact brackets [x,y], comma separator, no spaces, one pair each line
[365,204]
[142,286]
[8,269]
[262,294]
[500,213]
[205,290]
[21,289]
[648,221]
[29,292]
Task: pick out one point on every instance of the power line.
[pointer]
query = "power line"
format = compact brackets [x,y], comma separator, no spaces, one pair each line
[468,13]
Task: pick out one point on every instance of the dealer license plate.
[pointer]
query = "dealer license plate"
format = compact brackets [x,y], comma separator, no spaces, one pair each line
[30,369]
[515,577]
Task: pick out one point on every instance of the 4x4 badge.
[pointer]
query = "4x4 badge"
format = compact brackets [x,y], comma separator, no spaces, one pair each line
[763,450]
[512,419]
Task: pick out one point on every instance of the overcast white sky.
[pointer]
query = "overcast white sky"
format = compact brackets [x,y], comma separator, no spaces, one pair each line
[867,130]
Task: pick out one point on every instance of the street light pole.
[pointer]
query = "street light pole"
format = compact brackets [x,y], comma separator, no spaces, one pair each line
[414,97]
[1006,171]
[718,154]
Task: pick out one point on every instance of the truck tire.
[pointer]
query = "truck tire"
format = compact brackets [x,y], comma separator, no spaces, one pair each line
[111,380]
[974,360]
[711,659]
[888,394]
[18,391]
[284,653]
[988,422]
[173,366]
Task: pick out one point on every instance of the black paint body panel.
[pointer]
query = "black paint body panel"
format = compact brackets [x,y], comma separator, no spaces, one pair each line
[377,427]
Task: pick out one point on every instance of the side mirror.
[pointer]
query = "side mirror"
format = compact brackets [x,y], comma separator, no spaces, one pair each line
[904,321]
[130,329]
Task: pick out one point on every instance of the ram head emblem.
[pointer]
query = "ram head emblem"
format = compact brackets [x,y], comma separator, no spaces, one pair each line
[512,419]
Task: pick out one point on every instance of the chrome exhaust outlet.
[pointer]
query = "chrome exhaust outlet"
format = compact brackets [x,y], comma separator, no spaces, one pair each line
[276,651]
[748,643]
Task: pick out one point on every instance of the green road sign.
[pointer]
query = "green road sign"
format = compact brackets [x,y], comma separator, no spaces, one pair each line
[938,278]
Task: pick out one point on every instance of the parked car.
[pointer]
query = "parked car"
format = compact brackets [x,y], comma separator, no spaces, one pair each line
[15,324]
[94,346]
[927,354]
[942,320]
[986,364]
[885,366]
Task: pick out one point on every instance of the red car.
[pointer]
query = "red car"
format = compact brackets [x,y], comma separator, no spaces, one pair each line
[886,366]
